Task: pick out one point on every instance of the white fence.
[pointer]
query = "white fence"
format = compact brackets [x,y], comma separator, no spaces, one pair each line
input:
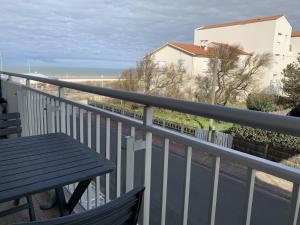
[218,138]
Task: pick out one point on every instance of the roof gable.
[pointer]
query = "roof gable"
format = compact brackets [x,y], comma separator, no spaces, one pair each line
[241,22]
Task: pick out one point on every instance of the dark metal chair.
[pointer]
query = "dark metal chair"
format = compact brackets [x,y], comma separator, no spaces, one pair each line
[121,211]
[10,123]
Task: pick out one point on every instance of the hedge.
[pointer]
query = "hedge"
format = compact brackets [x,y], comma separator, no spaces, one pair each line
[256,135]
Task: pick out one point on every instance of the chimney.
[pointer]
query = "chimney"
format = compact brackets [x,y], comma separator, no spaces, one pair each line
[203,44]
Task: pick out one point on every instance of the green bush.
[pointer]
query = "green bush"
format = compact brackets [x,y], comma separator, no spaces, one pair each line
[260,102]
[256,135]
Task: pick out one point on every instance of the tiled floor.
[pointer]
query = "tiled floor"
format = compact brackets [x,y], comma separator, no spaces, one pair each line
[23,216]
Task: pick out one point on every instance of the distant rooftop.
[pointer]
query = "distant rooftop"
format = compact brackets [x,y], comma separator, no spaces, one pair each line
[241,22]
[296,34]
[199,51]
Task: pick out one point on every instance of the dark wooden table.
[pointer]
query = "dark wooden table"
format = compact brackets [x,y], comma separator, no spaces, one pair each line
[34,164]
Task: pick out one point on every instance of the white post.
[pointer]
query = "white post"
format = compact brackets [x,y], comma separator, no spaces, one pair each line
[129,162]
[148,117]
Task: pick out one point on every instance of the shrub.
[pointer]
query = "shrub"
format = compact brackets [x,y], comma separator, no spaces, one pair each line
[275,139]
[260,102]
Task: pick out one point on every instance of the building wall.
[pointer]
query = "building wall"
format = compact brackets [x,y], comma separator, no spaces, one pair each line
[264,37]
[252,37]
[281,54]
[295,46]
[194,65]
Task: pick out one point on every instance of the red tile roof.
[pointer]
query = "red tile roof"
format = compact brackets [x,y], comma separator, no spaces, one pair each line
[198,51]
[241,22]
[230,46]
[192,49]
[296,34]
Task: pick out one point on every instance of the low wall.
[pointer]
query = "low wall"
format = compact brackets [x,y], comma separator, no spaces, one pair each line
[290,157]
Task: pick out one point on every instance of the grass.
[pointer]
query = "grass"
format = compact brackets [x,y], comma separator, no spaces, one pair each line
[185,119]
[191,120]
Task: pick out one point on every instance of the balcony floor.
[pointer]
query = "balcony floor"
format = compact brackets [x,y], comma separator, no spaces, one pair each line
[23,216]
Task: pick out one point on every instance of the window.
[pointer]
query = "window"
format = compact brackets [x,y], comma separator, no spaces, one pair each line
[291,48]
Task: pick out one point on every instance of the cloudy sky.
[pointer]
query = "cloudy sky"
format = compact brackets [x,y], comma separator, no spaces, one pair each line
[114,33]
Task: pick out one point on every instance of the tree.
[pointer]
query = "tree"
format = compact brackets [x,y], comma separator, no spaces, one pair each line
[235,72]
[291,82]
[172,80]
[147,72]
[129,80]
[164,80]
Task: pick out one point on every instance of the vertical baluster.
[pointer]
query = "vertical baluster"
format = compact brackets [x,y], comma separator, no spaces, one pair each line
[37,116]
[148,117]
[165,182]
[132,132]
[57,117]
[63,117]
[19,106]
[107,153]
[25,122]
[81,134]
[214,190]
[34,120]
[74,123]
[119,155]
[129,163]
[295,202]
[187,185]
[81,138]
[26,94]
[89,139]
[30,113]
[42,113]
[40,108]
[38,112]
[249,195]
[52,120]
[46,101]
[98,127]
[68,120]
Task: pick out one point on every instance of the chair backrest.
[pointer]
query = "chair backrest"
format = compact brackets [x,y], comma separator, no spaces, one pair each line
[10,123]
[121,211]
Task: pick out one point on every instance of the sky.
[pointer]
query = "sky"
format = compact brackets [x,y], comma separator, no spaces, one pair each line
[115,33]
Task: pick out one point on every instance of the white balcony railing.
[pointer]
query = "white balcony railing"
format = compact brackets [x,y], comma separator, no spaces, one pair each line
[143,154]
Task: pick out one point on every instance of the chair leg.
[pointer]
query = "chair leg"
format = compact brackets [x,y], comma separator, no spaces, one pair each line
[30,208]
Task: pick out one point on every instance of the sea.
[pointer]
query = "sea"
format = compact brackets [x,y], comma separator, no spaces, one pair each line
[66,71]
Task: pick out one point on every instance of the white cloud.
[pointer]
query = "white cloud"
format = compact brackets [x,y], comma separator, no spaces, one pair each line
[119,31]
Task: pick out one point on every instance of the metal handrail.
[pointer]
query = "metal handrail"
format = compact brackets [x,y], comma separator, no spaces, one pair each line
[252,163]
[278,123]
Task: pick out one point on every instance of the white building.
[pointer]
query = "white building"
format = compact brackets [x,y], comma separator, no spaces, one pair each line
[262,35]
[194,58]
[295,44]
